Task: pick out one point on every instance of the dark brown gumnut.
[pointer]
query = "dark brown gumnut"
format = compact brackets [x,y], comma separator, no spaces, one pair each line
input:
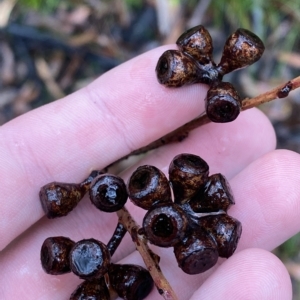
[165,224]
[91,290]
[225,230]
[175,69]
[187,173]
[108,193]
[196,253]
[55,255]
[148,186]
[89,259]
[58,198]
[197,42]
[131,282]
[214,196]
[222,103]
[242,48]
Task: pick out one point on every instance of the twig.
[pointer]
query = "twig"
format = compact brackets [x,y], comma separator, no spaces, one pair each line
[150,259]
[116,238]
[182,132]
[276,93]
[45,74]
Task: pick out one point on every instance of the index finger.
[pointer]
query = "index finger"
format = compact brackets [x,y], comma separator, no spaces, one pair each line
[121,111]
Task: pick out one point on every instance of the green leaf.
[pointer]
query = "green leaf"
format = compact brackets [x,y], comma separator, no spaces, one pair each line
[46,6]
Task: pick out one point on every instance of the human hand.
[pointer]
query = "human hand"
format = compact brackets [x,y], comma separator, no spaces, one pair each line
[121,111]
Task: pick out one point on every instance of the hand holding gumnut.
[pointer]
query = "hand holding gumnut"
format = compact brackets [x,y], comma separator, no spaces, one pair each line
[74,138]
[187,212]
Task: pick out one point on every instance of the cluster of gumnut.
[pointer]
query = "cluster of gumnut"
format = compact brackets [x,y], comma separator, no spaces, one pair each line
[193,63]
[195,222]
[90,259]
[192,219]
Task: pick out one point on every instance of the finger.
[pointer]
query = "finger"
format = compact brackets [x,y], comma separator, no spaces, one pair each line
[86,222]
[227,148]
[267,195]
[121,111]
[250,274]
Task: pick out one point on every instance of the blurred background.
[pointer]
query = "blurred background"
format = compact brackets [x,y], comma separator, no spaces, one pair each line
[52,48]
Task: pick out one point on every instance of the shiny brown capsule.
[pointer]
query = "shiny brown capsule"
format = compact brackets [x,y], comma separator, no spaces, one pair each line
[222,103]
[175,69]
[148,186]
[108,192]
[58,198]
[214,196]
[55,255]
[225,230]
[165,224]
[196,253]
[131,282]
[187,173]
[242,48]
[91,290]
[89,259]
[197,42]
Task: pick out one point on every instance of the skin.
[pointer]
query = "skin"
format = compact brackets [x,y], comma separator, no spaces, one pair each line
[123,110]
